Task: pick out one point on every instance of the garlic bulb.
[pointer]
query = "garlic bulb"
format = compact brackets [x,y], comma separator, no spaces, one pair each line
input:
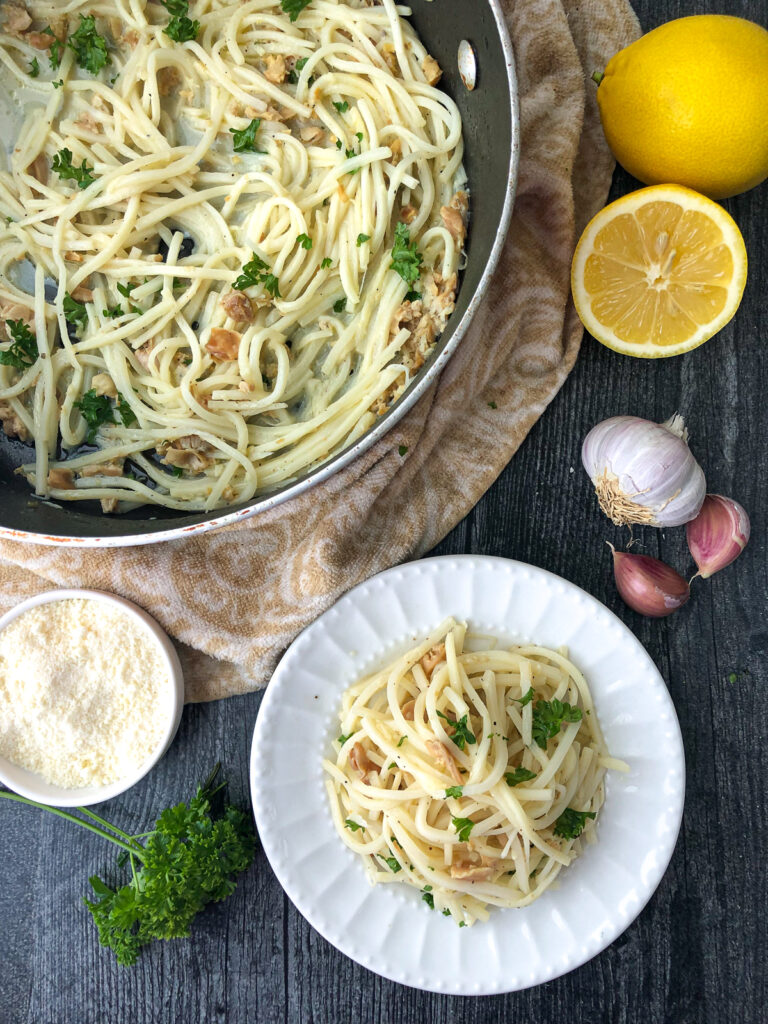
[718,534]
[648,585]
[644,472]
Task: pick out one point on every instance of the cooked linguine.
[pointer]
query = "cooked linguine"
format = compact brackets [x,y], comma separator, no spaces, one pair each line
[470,772]
[230,234]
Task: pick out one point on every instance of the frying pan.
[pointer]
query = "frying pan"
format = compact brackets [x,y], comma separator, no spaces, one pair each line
[491,137]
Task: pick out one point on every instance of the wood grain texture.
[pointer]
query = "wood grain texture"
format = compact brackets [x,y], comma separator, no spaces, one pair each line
[696,955]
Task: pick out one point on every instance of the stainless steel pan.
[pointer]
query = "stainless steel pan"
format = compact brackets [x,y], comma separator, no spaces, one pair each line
[491,135]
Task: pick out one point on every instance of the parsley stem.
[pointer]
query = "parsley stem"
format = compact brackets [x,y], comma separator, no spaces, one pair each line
[108,824]
[77,821]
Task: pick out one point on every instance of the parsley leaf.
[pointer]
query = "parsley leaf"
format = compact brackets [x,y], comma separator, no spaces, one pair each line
[392,863]
[454,791]
[62,164]
[23,352]
[353,825]
[571,823]
[341,107]
[126,413]
[340,305]
[464,827]
[125,290]
[343,739]
[401,741]
[361,238]
[518,775]
[294,7]
[34,68]
[412,296]
[525,699]
[75,311]
[54,50]
[426,895]
[298,66]
[326,263]
[114,312]
[548,716]
[245,140]
[406,259]
[492,405]
[402,449]
[180,28]
[59,85]
[304,241]
[96,410]
[89,47]
[256,271]
[461,733]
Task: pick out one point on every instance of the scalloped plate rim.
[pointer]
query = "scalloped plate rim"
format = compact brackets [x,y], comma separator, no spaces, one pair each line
[272,706]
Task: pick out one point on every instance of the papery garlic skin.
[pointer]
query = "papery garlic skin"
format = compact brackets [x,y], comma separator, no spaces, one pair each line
[648,585]
[644,472]
[718,534]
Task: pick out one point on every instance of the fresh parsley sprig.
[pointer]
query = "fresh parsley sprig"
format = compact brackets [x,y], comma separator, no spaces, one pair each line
[244,139]
[63,166]
[293,8]
[181,28]
[406,259]
[464,827]
[549,716]
[256,271]
[571,823]
[23,352]
[89,47]
[461,732]
[96,410]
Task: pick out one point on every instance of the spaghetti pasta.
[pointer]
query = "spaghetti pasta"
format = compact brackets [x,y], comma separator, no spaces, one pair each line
[225,251]
[469,772]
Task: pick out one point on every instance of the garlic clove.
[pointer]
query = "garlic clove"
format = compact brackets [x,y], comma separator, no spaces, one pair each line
[718,534]
[648,585]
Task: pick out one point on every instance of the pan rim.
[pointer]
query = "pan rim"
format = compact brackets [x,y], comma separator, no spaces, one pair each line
[339,462]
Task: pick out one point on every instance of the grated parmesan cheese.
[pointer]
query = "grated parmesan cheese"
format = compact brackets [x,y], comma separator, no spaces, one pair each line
[84,693]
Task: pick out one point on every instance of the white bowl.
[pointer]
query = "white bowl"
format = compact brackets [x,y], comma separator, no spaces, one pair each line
[34,786]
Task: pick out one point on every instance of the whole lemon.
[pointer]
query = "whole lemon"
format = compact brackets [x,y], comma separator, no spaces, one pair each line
[687,104]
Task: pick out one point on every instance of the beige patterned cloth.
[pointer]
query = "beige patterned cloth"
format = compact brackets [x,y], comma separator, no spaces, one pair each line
[235,598]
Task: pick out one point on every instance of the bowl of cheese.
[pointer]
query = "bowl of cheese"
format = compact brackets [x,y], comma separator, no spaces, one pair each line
[91,695]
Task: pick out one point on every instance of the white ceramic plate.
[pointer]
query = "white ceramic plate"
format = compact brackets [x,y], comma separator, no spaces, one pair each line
[388,929]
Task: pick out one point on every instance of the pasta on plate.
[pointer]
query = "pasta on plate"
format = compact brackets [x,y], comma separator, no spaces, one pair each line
[471,772]
[230,234]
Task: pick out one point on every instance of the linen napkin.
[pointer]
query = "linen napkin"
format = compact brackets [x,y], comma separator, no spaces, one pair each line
[235,598]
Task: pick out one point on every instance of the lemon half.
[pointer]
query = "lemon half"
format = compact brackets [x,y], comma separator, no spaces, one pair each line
[658,272]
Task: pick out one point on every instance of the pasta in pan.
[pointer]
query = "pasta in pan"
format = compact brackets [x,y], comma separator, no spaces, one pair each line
[470,772]
[231,233]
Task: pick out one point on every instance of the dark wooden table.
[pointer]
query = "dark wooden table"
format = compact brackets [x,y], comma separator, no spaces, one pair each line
[698,951]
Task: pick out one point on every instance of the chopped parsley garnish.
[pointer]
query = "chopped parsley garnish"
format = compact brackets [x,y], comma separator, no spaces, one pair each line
[359,136]
[353,825]
[412,296]
[75,311]
[62,165]
[326,263]
[342,107]
[125,290]
[426,895]
[340,305]
[392,863]
[525,699]
[180,28]
[256,271]
[59,84]
[401,741]
[127,415]
[95,410]
[402,449]
[343,739]
[304,241]
[454,791]
[406,259]
[571,823]
[492,405]
[176,471]
[244,141]
[518,775]
[446,912]
[464,827]
[392,766]
[23,352]
[89,47]
[293,8]
[461,733]
[114,312]
[339,143]
[548,716]
[34,68]
[54,50]
[361,238]
[299,66]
